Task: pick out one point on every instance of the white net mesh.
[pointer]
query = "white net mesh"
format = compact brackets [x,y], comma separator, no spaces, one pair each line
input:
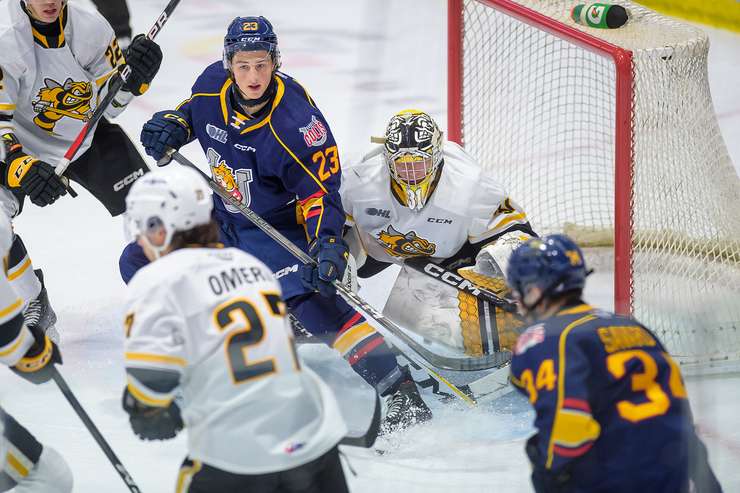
[539,111]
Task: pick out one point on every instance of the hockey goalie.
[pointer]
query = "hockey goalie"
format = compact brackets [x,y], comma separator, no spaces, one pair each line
[416,196]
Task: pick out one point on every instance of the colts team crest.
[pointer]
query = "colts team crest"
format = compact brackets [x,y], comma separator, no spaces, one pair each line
[236,183]
[55,101]
[398,244]
[314,134]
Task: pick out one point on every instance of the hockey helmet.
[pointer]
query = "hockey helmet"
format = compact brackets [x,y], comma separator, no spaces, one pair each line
[553,263]
[176,199]
[413,153]
[250,34]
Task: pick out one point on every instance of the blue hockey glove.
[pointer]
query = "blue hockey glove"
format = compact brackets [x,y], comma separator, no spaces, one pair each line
[331,255]
[152,423]
[165,130]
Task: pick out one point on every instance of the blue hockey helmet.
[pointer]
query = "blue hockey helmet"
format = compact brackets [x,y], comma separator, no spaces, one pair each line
[250,34]
[553,263]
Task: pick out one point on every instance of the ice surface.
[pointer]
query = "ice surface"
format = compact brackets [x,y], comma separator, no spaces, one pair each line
[362,60]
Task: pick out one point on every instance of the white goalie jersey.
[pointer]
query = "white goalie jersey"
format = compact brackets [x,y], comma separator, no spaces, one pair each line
[210,322]
[467,205]
[50,85]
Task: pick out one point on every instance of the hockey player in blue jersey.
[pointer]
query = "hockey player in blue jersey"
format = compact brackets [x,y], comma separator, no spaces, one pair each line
[268,144]
[612,413]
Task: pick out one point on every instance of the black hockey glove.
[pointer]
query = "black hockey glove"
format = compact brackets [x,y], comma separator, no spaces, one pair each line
[33,177]
[331,254]
[152,423]
[543,479]
[37,366]
[165,130]
[144,57]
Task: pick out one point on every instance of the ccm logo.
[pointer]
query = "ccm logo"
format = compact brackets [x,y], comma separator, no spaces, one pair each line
[286,270]
[451,278]
[128,180]
[437,220]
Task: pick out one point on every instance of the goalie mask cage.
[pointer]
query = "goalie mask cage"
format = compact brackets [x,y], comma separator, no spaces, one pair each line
[610,136]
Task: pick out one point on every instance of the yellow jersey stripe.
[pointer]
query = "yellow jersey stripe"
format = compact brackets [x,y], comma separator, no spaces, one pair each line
[279,92]
[18,271]
[146,399]
[582,308]
[352,336]
[11,308]
[6,107]
[16,464]
[561,382]
[156,358]
[510,218]
[295,158]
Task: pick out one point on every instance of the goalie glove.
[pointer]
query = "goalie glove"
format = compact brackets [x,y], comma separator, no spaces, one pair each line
[493,259]
[152,423]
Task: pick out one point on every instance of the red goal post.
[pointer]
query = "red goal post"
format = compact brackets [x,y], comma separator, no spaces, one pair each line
[610,136]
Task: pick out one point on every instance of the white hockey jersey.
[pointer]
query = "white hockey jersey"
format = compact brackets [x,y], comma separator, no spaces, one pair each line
[211,322]
[15,338]
[50,87]
[467,205]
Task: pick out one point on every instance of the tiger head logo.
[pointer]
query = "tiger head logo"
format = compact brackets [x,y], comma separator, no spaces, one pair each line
[225,177]
[55,101]
[407,245]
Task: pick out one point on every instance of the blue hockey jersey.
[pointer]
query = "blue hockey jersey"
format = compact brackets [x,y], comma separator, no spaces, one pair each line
[611,407]
[283,164]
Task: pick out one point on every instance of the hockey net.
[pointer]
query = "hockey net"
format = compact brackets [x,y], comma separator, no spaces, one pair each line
[611,137]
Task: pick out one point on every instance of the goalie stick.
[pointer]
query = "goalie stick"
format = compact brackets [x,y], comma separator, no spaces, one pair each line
[113,87]
[114,460]
[386,327]
[435,271]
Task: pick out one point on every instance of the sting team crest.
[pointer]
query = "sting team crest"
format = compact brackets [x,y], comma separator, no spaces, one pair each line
[55,101]
[314,134]
[398,244]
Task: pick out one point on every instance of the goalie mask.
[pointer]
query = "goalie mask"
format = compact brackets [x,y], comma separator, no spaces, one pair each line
[413,153]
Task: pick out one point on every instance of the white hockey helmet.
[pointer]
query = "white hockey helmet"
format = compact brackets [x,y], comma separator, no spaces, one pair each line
[176,199]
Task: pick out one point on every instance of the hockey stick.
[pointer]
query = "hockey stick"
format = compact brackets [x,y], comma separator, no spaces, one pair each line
[113,87]
[366,440]
[386,327]
[120,469]
[435,271]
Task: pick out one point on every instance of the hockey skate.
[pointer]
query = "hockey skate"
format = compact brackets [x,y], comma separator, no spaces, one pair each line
[39,312]
[405,408]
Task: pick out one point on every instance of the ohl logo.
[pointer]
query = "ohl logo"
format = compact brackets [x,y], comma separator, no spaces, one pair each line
[314,134]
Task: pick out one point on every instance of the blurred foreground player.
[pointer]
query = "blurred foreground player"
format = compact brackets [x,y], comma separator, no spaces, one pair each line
[269,145]
[25,464]
[612,412]
[208,322]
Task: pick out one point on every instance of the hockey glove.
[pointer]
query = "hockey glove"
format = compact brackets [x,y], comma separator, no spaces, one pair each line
[37,366]
[144,57]
[152,423]
[33,177]
[164,131]
[331,255]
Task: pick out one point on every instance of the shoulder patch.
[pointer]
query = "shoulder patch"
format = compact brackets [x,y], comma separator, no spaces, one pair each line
[530,338]
[314,134]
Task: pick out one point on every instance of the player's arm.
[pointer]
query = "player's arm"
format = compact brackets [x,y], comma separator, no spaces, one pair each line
[310,169]
[143,58]
[496,231]
[154,360]
[19,170]
[560,393]
[30,354]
